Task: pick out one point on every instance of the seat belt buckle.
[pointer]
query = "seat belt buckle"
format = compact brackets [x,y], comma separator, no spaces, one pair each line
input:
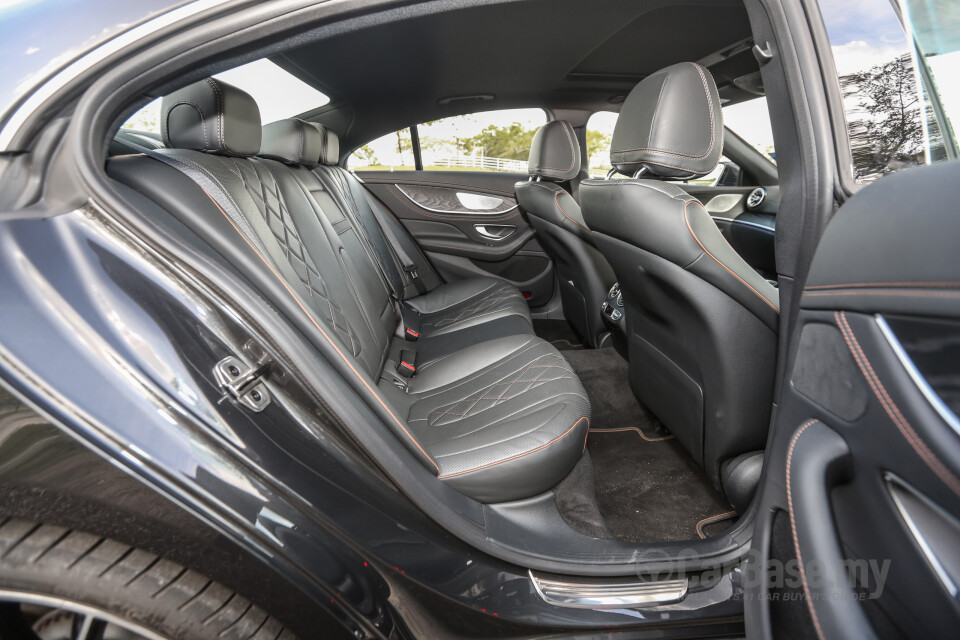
[408,363]
[406,369]
[411,322]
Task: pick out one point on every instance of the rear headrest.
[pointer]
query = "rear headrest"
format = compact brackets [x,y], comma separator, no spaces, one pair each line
[554,152]
[292,141]
[331,146]
[671,124]
[211,115]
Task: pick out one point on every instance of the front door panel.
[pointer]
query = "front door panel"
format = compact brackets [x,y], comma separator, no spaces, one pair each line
[468,223]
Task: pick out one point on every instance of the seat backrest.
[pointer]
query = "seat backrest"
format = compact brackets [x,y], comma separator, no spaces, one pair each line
[584,275]
[702,324]
[270,218]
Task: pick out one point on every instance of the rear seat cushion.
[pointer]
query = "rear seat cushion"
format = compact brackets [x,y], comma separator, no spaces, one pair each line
[502,419]
[496,412]
[468,303]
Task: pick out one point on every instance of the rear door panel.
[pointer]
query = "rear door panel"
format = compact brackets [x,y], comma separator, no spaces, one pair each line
[469,224]
[862,485]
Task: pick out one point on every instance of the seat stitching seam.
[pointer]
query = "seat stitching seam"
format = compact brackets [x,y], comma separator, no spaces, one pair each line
[520,455]
[690,229]
[324,334]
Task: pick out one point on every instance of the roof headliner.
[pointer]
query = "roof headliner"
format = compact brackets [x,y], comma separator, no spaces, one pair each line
[559,54]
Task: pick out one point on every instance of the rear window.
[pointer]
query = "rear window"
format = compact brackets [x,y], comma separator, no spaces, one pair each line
[278,94]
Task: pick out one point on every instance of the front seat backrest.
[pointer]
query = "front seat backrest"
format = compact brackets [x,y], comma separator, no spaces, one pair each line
[585,277]
[702,324]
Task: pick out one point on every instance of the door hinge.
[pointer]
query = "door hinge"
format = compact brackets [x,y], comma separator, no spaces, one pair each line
[243,383]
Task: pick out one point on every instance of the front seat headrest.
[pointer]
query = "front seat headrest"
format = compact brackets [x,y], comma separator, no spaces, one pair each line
[292,141]
[554,152]
[671,124]
[330,155]
[213,116]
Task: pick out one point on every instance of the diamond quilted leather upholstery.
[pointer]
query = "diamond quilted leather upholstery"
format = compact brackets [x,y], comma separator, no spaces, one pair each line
[494,411]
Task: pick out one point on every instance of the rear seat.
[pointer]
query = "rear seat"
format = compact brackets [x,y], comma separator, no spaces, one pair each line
[494,411]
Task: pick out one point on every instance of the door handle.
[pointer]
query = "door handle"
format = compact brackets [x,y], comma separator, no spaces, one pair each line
[495,231]
[817,461]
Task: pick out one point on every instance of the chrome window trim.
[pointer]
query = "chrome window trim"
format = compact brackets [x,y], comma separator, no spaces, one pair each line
[452,212]
[928,392]
[45,90]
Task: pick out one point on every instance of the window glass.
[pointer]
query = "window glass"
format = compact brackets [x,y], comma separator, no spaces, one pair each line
[392,152]
[488,141]
[891,121]
[278,94]
[750,120]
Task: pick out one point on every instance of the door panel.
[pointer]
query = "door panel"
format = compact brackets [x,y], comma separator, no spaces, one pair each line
[862,482]
[468,223]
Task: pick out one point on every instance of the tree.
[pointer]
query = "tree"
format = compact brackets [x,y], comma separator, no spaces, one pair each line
[598,148]
[367,154]
[889,132]
[510,142]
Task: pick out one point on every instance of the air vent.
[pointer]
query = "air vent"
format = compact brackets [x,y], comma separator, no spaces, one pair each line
[756,198]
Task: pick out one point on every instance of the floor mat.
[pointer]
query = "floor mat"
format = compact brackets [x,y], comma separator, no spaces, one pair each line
[558,333]
[648,487]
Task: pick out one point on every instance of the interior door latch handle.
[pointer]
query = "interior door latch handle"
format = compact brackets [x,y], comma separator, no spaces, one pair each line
[495,231]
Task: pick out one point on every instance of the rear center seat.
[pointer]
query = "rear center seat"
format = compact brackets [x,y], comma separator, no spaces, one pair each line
[494,411]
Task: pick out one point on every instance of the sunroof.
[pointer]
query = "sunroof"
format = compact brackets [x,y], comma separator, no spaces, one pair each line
[278,93]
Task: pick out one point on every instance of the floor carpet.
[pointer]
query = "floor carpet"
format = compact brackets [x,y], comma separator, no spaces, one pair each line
[558,333]
[648,488]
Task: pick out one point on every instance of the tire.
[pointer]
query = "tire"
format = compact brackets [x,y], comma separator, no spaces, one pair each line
[126,584]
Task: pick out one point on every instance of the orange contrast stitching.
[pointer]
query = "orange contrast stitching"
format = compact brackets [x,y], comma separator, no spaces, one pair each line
[690,229]
[556,199]
[520,455]
[793,527]
[324,333]
[893,412]
[709,520]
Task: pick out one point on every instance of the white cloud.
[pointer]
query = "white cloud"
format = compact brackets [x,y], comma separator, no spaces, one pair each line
[858,55]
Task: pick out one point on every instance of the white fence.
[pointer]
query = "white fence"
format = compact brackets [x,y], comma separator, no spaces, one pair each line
[476,162]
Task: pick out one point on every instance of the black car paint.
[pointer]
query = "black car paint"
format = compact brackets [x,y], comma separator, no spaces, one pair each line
[118,351]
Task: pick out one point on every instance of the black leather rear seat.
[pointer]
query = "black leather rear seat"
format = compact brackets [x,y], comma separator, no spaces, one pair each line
[494,411]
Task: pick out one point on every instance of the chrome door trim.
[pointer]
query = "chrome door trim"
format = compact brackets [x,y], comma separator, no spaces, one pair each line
[928,392]
[895,484]
[455,213]
[610,595]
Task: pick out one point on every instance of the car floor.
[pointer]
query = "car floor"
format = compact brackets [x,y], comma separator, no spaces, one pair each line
[645,484]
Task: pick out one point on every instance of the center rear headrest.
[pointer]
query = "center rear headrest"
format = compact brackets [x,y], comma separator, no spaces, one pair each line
[331,146]
[213,116]
[293,141]
[554,152]
[671,124]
